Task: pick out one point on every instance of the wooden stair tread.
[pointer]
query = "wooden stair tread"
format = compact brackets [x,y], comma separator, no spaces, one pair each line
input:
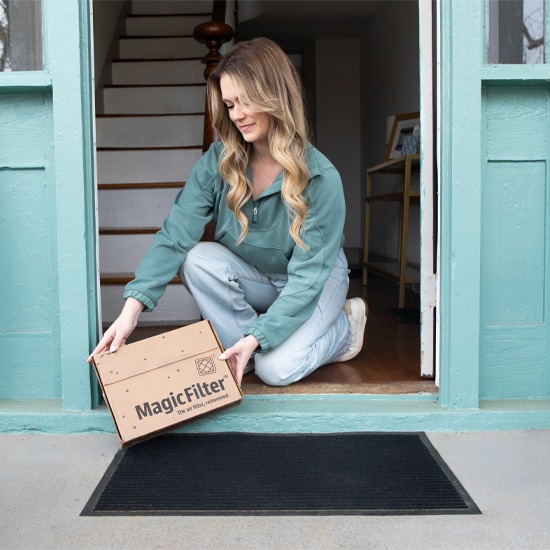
[128,230]
[199,84]
[187,147]
[154,36]
[149,185]
[155,60]
[168,15]
[141,115]
[208,234]
[125,278]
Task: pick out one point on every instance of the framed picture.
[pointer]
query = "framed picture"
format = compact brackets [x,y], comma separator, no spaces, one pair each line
[403,127]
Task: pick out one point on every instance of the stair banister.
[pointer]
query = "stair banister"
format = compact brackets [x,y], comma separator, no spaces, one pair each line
[214,34]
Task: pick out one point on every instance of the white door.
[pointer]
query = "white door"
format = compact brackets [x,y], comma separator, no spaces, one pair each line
[428,264]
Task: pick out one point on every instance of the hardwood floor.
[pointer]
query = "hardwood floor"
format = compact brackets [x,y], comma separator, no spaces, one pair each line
[388,364]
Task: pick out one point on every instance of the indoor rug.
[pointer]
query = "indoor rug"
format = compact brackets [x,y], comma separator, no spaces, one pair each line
[272,474]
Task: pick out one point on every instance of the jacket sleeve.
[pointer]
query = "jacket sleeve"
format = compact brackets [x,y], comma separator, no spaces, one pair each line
[182,229]
[308,269]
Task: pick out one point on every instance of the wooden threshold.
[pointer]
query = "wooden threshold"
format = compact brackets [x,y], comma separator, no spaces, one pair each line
[305,388]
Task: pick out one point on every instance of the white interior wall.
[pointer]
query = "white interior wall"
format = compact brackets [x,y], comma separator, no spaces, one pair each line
[389,86]
[338,125]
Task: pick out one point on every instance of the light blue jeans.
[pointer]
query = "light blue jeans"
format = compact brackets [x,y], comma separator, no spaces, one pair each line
[231,293]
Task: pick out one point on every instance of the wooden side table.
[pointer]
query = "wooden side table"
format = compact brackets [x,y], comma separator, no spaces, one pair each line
[394,270]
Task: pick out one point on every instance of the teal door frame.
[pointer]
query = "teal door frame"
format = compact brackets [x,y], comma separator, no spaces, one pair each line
[467,82]
[66,78]
[68,49]
[460,200]
[60,94]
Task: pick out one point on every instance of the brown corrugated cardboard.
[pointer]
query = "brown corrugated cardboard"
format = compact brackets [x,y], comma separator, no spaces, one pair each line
[165,381]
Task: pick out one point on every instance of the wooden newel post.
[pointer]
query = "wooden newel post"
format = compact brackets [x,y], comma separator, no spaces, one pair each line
[213,33]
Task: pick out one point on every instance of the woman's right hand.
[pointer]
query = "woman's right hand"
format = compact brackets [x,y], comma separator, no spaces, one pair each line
[117,334]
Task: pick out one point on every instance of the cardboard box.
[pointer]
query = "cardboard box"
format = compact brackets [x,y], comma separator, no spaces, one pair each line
[165,381]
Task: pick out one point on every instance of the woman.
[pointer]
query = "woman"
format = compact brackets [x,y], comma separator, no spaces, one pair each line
[274,283]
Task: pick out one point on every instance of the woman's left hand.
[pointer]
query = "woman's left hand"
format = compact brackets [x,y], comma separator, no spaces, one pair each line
[238,355]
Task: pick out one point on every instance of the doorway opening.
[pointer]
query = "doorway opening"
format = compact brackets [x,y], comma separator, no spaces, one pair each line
[360,65]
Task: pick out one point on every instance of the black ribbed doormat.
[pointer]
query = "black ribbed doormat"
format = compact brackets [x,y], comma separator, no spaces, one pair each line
[267,474]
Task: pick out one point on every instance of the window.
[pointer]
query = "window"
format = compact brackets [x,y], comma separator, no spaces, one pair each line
[21,35]
[514,31]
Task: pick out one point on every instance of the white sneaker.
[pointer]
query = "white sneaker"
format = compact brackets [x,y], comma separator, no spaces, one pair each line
[357,310]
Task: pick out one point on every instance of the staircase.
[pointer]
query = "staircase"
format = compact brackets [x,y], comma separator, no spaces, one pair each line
[148,139]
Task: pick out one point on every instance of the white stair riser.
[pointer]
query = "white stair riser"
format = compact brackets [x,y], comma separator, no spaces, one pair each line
[163,131]
[145,166]
[132,208]
[176,306]
[161,48]
[149,207]
[173,99]
[143,7]
[157,72]
[164,26]
[122,253]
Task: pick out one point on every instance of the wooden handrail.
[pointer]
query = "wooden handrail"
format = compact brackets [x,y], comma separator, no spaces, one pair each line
[214,34]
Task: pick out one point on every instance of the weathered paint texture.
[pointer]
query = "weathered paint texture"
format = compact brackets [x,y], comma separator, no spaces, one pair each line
[515,259]
[312,414]
[460,188]
[46,319]
[29,326]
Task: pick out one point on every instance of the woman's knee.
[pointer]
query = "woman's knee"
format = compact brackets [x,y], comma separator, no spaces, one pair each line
[273,371]
[199,261]
[198,255]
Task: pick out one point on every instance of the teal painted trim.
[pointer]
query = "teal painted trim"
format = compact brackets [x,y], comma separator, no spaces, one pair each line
[516,73]
[45,36]
[25,81]
[462,53]
[89,186]
[446,52]
[312,415]
[62,23]
[515,265]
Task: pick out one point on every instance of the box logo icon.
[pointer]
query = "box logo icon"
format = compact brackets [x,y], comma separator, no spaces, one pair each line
[205,365]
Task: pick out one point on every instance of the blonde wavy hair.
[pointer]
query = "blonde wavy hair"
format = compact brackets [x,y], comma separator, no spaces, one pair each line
[267,82]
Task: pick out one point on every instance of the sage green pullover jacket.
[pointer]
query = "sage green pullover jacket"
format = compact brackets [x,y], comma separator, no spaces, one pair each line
[268,245]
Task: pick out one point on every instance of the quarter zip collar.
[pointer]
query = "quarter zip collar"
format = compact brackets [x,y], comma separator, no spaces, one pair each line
[276,186]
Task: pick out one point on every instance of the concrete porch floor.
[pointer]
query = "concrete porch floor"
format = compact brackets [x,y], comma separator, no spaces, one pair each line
[47,479]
